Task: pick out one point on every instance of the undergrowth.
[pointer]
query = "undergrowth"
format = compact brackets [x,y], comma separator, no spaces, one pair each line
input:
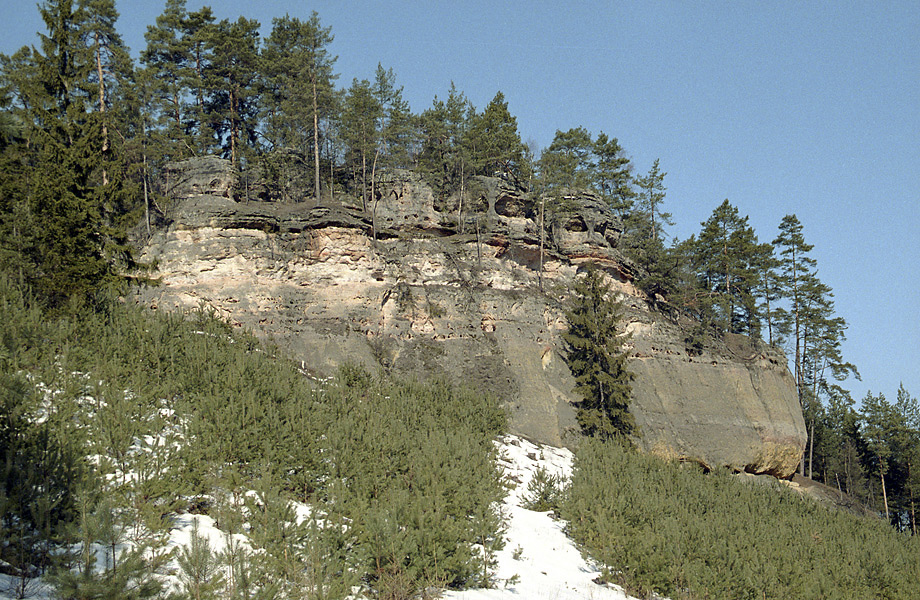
[674,531]
[169,413]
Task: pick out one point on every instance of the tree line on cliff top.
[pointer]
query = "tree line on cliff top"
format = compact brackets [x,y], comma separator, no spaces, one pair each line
[86,132]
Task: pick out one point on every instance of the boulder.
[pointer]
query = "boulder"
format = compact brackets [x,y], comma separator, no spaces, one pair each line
[203,175]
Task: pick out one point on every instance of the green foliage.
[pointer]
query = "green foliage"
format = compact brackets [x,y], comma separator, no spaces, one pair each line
[230,78]
[727,258]
[665,528]
[444,156]
[494,142]
[200,575]
[297,96]
[126,571]
[593,351]
[360,116]
[574,160]
[612,177]
[421,490]
[566,163]
[65,198]
[39,474]
[402,476]
[544,491]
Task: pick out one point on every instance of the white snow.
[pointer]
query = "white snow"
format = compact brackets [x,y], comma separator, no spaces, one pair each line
[538,561]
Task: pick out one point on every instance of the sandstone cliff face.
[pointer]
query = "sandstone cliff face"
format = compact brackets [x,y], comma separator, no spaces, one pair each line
[424,299]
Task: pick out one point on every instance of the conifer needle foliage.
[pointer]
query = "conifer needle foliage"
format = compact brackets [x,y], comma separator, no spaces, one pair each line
[595,355]
[401,477]
[662,527]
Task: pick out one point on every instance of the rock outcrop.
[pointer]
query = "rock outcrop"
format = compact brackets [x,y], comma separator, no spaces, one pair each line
[414,286]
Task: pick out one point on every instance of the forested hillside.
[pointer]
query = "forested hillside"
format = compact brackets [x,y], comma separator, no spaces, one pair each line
[86,134]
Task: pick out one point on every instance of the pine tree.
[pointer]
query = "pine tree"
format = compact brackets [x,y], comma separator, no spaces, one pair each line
[768,290]
[231,78]
[126,571]
[817,333]
[796,271]
[567,162]
[494,141]
[298,88]
[201,575]
[879,422]
[612,174]
[643,236]
[445,154]
[908,444]
[112,68]
[649,199]
[38,477]
[726,257]
[396,130]
[360,117]
[167,66]
[595,355]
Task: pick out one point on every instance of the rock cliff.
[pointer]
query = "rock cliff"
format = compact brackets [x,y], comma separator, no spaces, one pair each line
[410,287]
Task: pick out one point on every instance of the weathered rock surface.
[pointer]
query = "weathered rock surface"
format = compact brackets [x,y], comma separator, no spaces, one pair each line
[471,306]
[202,175]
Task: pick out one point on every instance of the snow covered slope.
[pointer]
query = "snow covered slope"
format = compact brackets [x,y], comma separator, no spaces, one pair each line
[537,562]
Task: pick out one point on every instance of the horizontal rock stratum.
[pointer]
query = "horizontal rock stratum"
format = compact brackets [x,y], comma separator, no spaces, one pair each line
[404,287]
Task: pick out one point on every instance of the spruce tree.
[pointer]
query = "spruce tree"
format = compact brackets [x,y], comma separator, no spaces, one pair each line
[74,185]
[594,353]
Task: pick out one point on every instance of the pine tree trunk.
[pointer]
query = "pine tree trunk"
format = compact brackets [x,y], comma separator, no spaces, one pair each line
[146,196]
[884,491]
[460,209]
[316,189]
[363,180]
[910,492]
[105,130]
[374,195]
[233,130]
[542,237]
[811,449]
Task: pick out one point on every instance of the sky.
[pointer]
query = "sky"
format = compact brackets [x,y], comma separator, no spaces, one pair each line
[806,108]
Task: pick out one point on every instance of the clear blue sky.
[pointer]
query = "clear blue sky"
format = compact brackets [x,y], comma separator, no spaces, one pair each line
[810,108]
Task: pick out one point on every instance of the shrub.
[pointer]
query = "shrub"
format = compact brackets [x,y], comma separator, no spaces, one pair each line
[662,528]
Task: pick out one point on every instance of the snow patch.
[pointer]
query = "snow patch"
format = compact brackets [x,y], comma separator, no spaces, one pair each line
[538,561]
